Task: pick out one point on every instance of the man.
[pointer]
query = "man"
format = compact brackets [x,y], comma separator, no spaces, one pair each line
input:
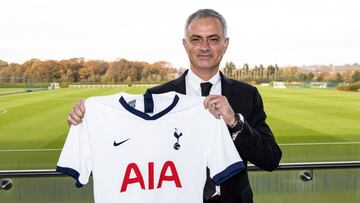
[239,104]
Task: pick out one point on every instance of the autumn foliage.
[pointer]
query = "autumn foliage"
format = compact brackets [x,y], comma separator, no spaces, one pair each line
[79,70]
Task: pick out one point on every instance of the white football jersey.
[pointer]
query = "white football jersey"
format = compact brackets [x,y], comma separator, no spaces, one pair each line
[149,148]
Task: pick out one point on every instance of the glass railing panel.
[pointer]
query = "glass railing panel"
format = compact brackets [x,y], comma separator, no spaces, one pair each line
[309,152]
[43,189]
[29,159]
[330,182]
[326,186]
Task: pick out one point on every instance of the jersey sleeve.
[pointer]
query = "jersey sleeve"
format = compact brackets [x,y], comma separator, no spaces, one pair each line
[75,157]
[223,159]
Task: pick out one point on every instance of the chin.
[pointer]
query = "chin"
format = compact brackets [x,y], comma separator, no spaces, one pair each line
[205,65]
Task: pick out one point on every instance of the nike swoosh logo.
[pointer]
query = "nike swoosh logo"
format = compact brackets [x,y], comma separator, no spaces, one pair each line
[119,143]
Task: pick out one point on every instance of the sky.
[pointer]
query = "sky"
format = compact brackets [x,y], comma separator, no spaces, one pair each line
[283,32]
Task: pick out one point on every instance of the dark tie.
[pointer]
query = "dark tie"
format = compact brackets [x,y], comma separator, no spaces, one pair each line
[205,88]
[209,189]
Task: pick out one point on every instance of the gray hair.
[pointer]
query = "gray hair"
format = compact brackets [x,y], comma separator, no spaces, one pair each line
[205,13]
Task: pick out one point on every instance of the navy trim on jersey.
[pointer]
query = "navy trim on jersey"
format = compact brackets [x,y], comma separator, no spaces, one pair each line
[71,172]
[148,103]
[146,116]
[229,172]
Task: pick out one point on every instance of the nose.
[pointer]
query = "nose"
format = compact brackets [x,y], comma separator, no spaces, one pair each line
[205,46]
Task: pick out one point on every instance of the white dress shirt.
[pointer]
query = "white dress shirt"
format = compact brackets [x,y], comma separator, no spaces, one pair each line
[193,84]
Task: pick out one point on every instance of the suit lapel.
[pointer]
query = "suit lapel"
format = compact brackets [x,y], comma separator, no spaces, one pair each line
[228,91]
[179,84]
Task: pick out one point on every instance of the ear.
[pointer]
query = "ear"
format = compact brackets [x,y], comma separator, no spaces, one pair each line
[185,45]
[226,44]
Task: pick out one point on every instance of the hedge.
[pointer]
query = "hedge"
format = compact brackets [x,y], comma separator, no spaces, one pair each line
[350,87]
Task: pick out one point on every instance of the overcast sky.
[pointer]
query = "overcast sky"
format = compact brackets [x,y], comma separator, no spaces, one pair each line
[265,32]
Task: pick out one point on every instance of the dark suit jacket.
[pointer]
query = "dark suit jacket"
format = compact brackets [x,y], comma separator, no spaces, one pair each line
[255,143]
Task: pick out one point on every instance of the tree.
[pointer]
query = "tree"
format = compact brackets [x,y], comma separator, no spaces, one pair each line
[245,70]
[117,71]
[347,75]
[161,70]
[77,69]
[43,71]
[339,78]
[137,69]
[93,70]
[70,69]
[3,64]
[84,74]
[355,77]
[276,72]
[303,77]
[262,71]
[229,68]
[270,71]
[290,73]
[255,72]
[53,67]
[320,78]
[5,74]
[310,76]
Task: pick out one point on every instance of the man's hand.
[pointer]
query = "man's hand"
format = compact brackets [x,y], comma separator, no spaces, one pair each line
[77,113]
[218,106]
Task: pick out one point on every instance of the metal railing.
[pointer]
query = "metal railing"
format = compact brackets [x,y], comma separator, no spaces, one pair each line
[310,165]
[290,181]
[250,167]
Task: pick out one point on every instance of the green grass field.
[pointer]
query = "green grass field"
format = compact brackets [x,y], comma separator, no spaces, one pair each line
[11,90]
[4,91]
[310,124]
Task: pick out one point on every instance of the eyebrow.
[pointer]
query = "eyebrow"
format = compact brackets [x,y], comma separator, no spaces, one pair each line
[199,36]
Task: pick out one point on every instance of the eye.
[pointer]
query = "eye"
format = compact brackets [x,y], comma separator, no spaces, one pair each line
[195,39]
[214,39]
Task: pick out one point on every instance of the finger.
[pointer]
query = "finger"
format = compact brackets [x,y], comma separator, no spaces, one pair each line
[219,107]
[79,108]
[215,104]
[206,102]
[71,121]
[76,119]
[209,105]
[215,114]
[212,107]
[210,100]
[68,120]
[78,112]
[82,105]
[214,111]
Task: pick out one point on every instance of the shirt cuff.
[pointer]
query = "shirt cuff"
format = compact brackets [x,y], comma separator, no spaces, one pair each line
[234,135]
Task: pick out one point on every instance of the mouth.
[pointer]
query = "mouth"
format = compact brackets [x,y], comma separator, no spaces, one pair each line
[204,56]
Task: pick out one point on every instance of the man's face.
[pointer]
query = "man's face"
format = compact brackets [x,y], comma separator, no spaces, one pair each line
[205,44]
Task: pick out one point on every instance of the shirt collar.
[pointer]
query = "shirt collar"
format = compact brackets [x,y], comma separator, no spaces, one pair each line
[195,81]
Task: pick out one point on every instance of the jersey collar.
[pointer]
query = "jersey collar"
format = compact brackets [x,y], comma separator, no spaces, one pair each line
[149,102]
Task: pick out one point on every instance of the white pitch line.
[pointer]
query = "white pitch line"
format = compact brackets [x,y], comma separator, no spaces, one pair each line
[319,143]
[29,150]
